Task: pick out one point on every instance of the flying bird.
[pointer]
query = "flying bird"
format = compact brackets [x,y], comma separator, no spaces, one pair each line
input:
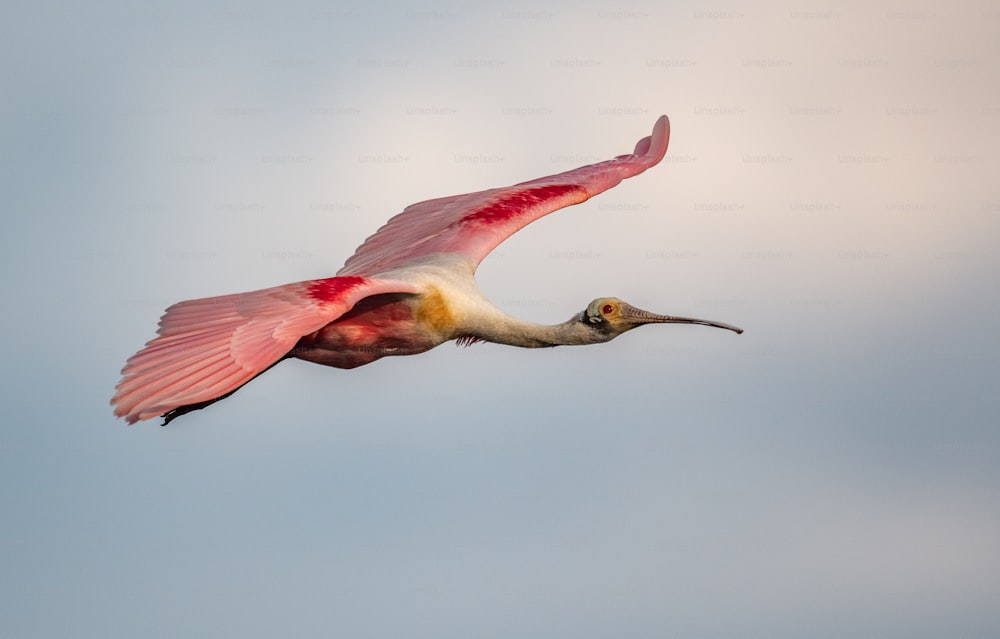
[407,288]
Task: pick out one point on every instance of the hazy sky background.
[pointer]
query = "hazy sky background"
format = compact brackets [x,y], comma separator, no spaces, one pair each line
[831,186]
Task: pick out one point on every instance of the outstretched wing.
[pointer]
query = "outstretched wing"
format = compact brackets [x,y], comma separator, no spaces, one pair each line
[210,347]
[475,223]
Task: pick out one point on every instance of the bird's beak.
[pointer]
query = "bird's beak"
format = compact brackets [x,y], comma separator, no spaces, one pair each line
[639,317]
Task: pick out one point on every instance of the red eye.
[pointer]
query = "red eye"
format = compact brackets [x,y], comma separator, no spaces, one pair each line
[607,308]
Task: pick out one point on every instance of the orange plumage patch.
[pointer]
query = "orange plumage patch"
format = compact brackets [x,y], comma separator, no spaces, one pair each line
[433,311]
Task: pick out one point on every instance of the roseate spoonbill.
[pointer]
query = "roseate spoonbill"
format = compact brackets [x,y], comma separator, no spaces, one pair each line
[407,288]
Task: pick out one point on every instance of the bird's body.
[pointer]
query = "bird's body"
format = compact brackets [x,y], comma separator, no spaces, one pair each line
[447,307]
[407,289]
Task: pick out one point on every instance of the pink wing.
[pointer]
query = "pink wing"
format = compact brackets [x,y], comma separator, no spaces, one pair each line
[475,223]
[210,347]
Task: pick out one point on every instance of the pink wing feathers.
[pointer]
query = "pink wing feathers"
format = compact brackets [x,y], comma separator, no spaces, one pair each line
[475,223]
[210,347]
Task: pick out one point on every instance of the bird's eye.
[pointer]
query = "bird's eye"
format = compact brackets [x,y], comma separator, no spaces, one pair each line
[607,309]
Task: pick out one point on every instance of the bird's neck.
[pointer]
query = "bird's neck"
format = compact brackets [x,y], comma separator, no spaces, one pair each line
[514,332]
[451,309]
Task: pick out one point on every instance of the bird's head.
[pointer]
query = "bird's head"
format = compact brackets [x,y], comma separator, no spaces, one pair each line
[609,317]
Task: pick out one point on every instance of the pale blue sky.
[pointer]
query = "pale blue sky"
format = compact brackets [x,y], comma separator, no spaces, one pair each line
[830,187]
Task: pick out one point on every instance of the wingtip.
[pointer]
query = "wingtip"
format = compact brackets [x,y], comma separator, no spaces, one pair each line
[654,146]
[661,133]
